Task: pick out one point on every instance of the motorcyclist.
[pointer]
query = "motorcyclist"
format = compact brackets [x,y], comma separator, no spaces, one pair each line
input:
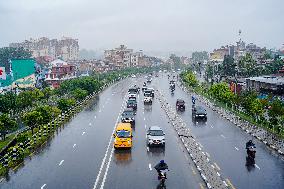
[250,144]
[193,99]
[161,166]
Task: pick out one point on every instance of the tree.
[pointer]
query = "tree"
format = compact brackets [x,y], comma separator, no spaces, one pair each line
[209,71]
[247,66]
[274,67]
[65,104]
[33,119]
[24,99]
[8,102]
[9,124]
[228,66]
[79,94]
[222,92]
[190,79]
[47,113]
[276,111]
[2,130]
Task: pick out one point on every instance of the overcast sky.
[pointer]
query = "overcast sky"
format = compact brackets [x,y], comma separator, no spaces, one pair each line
[159,25]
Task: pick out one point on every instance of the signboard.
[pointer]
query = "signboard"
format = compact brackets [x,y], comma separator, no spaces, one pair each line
[2,73]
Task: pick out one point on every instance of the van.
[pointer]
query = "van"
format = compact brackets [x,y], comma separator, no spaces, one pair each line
[123,136]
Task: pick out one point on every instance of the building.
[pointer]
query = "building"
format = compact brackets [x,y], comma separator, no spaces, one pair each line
[217,56]
[66,48]
[274,84]
[59,71]
[123,57]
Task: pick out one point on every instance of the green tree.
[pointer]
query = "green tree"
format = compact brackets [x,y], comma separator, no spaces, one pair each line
[9,124]
[33,119]
[2,130]
[79,94]
[222,92]
[228,66]
[190,79]
[24,99]
[65,104]
[47,113]
[247,66]
[8,102]
[276,111]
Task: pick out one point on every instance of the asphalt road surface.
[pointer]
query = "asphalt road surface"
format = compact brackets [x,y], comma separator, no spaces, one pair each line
[225,143]
[81,155]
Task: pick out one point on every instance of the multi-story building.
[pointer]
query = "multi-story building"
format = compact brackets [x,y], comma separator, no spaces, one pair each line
[60,71]
[123,57]
[66,48]
[217,56]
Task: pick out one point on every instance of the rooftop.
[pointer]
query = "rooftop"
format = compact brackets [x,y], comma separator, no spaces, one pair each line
[268,79]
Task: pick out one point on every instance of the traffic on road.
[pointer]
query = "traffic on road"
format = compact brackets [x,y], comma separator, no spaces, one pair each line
[127,140]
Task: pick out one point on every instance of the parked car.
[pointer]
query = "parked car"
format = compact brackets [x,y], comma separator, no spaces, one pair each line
[198,112]
[180,105]
[155,136]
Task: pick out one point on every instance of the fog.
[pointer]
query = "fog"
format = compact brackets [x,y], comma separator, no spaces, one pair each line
[153,25]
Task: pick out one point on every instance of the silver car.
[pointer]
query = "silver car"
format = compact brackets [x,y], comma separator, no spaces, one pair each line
[155,136]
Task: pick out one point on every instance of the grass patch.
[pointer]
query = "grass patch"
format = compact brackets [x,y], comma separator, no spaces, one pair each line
[8,139]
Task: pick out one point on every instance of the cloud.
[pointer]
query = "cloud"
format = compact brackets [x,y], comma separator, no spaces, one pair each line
[147,24]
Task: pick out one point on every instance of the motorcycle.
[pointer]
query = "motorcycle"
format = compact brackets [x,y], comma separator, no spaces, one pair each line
[162,178]
[250,154]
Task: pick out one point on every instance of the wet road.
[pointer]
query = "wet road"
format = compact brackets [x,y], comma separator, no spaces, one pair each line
[225,143]
[81,154]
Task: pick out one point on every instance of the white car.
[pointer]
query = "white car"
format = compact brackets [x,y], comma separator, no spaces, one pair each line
[133,76]
[155,136]
[147,99]
[132,95]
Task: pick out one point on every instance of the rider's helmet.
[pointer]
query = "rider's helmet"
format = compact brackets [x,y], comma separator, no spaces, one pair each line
[162,161]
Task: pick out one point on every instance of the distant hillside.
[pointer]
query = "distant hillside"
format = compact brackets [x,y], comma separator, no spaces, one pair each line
[90,54]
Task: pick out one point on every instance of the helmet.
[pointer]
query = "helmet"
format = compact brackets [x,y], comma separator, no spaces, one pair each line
[162,161]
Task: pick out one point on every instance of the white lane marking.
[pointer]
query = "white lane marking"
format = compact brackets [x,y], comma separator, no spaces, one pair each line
[42,186]
[74,145]
[257,166]
[83,133]
[144,118]
[145,126]
[211,126]
[61,162]
[90,124]
[237,148]
[150,166]
[100,110]
[105,156]
[106,172]
[223,136]
[95,117]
